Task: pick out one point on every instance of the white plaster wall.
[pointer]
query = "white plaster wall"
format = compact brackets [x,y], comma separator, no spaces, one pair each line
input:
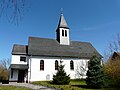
[49,67]
[16,60]
[77,64]
[64,40]
[15,76]
[35,74]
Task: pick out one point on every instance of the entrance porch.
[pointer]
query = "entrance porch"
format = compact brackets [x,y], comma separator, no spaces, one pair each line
[18,73]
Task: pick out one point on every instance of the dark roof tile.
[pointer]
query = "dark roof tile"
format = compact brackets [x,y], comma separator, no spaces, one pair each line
[19,49]
[50,47]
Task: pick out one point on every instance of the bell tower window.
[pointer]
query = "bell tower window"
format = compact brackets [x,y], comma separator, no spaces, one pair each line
[62,32]
[65,33]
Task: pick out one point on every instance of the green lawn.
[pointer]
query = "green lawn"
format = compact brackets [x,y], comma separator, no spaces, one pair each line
[73,85]
[64,87]
[12,88]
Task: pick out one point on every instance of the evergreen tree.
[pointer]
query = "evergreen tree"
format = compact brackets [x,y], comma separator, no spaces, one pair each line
[61,78]
[95,74]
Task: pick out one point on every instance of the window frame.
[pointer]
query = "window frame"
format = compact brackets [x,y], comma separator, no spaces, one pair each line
[71,65]
[22,59]
[41,65]
[56,64]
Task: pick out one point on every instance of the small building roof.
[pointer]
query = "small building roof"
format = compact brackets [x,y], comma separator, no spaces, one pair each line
[118,53]
[19,49]
[18,66]
[115,55]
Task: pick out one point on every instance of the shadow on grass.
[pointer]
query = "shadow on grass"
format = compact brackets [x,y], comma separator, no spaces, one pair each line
[86,87]
[96,88]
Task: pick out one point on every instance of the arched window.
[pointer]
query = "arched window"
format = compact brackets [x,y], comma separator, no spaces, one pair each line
[41,64]
[56,65]
[62,32]
[65,33]
[71,65]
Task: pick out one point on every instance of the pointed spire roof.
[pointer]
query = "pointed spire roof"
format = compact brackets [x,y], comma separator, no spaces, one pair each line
[62,22]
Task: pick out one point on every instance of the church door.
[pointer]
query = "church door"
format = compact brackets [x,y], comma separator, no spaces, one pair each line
[21,75]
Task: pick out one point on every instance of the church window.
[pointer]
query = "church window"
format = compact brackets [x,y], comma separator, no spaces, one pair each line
[23,59]
[56,65]
[65,33]
[71,65]
[41,64]
[62,32]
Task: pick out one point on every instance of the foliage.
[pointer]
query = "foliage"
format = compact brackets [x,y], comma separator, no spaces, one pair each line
[95,73]
[61,77]
[112,66]
[112,71]
[4,71]
[73,85]
[3,74]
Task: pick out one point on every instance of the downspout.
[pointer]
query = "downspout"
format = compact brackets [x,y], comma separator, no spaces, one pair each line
[30,68]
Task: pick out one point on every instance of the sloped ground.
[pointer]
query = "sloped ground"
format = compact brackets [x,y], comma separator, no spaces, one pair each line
[27,85]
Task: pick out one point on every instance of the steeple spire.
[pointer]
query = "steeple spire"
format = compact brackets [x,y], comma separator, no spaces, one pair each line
[62,21]
[61,10]
[62,32]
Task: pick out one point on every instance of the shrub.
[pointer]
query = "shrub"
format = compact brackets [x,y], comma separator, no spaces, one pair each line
[61,78]
[4,74]
[95,73]
[112,71]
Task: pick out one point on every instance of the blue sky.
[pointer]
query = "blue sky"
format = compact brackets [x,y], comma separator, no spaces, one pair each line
[95,21]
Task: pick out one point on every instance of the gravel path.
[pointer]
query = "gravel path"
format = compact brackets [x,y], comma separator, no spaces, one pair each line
[27,85]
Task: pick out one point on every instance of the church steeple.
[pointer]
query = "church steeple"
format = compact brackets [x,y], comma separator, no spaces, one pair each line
[63,31]
[62,22]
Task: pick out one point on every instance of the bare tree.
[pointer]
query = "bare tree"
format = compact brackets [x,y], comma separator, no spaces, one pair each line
[81,69]
[112,66]
[115,45]
[5,63]
[12,9]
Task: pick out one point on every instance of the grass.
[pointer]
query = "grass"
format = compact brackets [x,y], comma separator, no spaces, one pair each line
[12,88]
[73,85]
[64,87]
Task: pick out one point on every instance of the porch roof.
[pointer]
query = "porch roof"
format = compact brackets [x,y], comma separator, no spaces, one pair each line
[19,66]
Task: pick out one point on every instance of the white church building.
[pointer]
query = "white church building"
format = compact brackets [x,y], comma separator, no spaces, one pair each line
[39,60]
